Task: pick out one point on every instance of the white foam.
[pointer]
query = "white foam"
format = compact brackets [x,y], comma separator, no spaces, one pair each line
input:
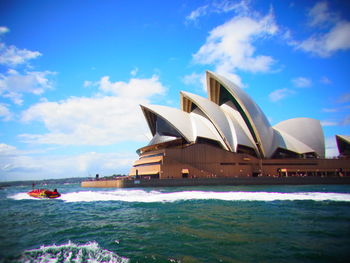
[143,196]
[21,196]
[71,252]
[156,196]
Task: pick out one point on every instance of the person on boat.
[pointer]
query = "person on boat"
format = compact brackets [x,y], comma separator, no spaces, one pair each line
[49,193]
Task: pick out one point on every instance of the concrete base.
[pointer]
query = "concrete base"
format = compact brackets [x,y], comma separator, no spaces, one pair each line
[126,183]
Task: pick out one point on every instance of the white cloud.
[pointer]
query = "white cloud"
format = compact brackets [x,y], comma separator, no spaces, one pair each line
[134,72]
[302,82]
[329,123]
[7,149]
[333,33]
[5,113]
[135,88]
[11,160]
[199,80]
[326,45]
[195,14]
[280,94]
[223,6]
[20,165]
[195,79]
[4,30]
[87,121]
[320,14]
[12,56]
[13,84]
[230,47]
[101,120]
[88,83]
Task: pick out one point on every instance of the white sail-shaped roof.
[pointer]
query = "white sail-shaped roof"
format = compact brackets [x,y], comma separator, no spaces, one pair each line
[215,115]
[202,127]
[306,130]
[288,142]
[180,120]
[255,119]
[240,131]
[232,119]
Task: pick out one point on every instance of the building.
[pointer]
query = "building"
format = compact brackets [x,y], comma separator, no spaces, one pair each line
[228,135]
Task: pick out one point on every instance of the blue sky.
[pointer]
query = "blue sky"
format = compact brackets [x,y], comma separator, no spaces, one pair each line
[73,73]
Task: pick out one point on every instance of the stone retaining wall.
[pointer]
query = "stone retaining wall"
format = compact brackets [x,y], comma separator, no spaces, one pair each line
[125,183]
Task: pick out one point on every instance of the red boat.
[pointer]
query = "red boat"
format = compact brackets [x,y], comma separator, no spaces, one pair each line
[44,193]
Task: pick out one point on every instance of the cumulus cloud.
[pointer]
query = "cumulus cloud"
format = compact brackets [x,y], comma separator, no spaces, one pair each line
[280,94]
[333,33]
[195,79]
[20,165]
[100,120]
[195,14]
[325,45]
[218,7]
[5,113]
[241,7]
[87,121]
[320,14]
[230,46]
[134,72]
[11,160]
[135,88]
[13,84]
[13,56]
[3,30]
[302,82]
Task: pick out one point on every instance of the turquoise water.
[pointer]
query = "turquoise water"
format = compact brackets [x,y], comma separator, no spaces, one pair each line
[197,224]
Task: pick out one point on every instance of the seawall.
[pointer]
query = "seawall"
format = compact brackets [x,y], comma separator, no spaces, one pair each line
[127,183]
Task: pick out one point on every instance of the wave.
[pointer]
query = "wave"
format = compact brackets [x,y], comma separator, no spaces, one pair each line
[157,196]
[71,252]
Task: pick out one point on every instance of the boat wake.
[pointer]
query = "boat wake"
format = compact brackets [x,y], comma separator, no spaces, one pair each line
[71,252]
[157,196]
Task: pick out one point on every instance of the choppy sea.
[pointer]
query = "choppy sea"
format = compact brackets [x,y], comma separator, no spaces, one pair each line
[185,224]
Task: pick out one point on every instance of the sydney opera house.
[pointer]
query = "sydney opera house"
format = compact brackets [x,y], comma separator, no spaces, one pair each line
[228,135]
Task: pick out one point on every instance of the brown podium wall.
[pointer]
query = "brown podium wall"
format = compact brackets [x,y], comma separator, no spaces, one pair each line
[206,161]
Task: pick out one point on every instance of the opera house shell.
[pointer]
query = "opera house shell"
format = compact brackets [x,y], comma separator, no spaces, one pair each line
[228,135]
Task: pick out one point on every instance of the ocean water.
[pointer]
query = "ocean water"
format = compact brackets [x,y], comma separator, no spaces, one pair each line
[185,224]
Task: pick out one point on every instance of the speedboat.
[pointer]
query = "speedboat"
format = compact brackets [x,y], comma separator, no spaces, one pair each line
[44,193]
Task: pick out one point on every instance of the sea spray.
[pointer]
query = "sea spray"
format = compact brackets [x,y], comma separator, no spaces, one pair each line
[157,196]
[71,252]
